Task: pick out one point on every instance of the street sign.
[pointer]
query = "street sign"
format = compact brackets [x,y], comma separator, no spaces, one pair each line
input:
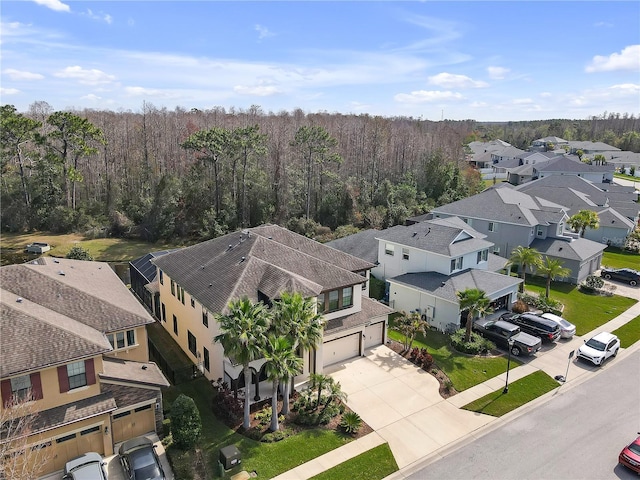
[571,354]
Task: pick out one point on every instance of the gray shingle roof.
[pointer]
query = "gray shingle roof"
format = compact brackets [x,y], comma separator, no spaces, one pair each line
[578,249]
[363,245]
[445,287]
[239,264]
[567,165]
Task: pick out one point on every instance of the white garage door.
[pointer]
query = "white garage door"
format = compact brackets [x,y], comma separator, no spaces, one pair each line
[374,334]
[340,349]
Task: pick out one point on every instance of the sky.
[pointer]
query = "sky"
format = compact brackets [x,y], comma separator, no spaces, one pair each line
[433,60]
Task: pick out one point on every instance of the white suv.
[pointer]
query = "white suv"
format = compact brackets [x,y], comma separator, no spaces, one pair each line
[600,347]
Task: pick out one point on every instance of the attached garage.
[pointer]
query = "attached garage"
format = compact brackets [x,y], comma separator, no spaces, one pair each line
[74,444]
[341,349]
[133,423]
[374,334]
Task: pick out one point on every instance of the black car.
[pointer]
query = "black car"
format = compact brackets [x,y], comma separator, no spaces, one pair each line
[541,327]
[140,460]
[627,275]
[502,333]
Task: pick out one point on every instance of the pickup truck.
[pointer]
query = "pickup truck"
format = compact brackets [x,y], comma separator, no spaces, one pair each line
[499,332]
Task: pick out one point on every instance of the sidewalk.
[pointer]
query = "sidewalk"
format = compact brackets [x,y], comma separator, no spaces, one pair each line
[446,426]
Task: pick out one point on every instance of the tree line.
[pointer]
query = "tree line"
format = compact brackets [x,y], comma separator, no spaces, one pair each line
[196,174]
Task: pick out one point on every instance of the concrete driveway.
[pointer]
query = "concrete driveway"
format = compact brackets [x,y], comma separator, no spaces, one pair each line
[401,403]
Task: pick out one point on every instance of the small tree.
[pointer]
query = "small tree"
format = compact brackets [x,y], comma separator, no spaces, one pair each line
[475,302]
[185,422]
[552,268]
[409,325]
[584,219]
[79,253]
[524,257]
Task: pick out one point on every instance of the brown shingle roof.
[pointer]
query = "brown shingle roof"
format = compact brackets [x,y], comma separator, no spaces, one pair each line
[370,309]
[126,396]
[74,412]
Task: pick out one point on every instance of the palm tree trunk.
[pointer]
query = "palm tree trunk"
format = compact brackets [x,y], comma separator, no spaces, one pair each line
[469,325]
[548,287]
[274,407]
[285,396]
[247,396]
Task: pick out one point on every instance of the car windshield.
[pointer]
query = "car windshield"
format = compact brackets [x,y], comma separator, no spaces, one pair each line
[595,344]
[565,324]
[150,472]
[635,448]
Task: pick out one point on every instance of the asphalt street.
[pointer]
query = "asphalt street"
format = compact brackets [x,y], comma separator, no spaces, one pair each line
[577,434]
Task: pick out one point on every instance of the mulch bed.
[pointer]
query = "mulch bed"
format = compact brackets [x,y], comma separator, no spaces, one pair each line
[434,370]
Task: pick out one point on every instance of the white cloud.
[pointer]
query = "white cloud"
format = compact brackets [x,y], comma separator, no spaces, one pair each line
[546,94]
[103,17]
[91,97]
[14,74]
[478,104]
[263,32]
[603,24]
[522,101]
[56,5]
[9,91]
[450,80]
[497,73]
[626,88]
[86,77]
[423,96]
[258,90]
[627,59]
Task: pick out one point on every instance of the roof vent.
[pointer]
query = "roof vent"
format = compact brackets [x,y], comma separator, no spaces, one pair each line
[60,272]
[442,284]
[242,259]
[19,299]
[56,261]
[144,367]
[202,267]
[560,249]
[211,284]
[414,234]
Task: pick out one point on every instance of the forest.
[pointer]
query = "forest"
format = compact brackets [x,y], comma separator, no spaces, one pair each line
[197,174]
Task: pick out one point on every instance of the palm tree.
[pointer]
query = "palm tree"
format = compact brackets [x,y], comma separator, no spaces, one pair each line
[584,219]
[281,363]
[319,381]
[243,335]
[552,268]
[296,318]
[409,325]
[524,257]
[475,302]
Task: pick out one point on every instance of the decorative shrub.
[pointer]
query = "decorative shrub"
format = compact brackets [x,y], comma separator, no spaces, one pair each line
[539,302]
[276,436]
[351,422]
[594,282]
[185,422]
[79,253]
[520,306]
[475,346]
[225,405]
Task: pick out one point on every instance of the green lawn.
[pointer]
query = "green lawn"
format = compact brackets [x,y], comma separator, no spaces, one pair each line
[373,464]
[629,333]
[464,371]
[520,392]
[585,311]
[268,459]
[617,258]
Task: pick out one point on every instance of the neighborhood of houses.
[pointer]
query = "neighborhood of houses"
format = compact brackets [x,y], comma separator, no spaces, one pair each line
[74,337]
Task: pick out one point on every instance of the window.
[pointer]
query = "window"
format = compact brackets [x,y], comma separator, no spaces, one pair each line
[193,303]
[161,277]
[90,430]
[456,263]
[175,324]
[540,232]
[405,254]
[479,259]
[205,319]
[206,359]
[496,250]
[321,307]
[181,294]
[122,339]
[173,288]
[492,227]
[483,255]
[21,386]
[191,339]
[142,408]
[121,414]
[389,249]
[164,313]
[66,438]
[333,300]
[76,374]
[347,297]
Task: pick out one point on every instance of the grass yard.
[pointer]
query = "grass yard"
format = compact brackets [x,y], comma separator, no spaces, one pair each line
[267,459]
[373,464]
[586,312]
[629,333]
[101,249]
[520,392]
[617,258]
[464,371]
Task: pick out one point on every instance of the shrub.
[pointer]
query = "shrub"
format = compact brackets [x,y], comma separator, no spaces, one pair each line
[276,436]
[476,345]
[225,405]
[539,302]
[594,282]
[186,425]
[351,422]
[79,253]
[520,306]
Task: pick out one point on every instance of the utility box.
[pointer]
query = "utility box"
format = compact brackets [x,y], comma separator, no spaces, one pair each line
[230,457]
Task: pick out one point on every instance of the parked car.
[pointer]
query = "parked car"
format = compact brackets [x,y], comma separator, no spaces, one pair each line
[567,329]
[627,275]
[89,466]
[37,247]
[499,332]
[600,347]
[544,328]
[630,456]
[140,460]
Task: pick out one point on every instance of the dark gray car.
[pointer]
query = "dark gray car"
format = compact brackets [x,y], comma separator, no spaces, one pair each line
[499,332]
[139,460]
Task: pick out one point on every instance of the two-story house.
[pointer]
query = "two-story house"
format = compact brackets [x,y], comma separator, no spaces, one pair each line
[73,346]
[564,166]
[198,282]
[511,218]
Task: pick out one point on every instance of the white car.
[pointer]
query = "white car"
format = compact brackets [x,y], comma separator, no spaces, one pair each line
[600,347]
[567,329]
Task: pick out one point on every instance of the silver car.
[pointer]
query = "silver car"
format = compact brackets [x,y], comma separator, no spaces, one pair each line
[567,329]
[89,466]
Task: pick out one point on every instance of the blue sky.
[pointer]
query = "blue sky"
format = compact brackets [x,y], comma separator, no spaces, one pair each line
[488,61]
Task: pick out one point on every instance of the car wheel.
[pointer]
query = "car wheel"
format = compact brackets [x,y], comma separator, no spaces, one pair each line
[515,351]
[633,283]
[616,352]
[607,276]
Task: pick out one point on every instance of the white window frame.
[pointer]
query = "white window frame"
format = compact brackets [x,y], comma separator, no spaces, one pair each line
[389,249]
[492,227]
[21,386]
[75,370]
[405,253]
[127,341]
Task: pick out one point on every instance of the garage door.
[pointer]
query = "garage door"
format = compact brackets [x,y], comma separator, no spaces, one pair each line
[340,349]
[70,446]
[374,335]
[133,423]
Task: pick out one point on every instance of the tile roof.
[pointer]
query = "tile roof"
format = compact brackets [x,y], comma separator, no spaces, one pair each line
[445,287]
[238,264]
[370,309]
[578,249]
[144,373]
